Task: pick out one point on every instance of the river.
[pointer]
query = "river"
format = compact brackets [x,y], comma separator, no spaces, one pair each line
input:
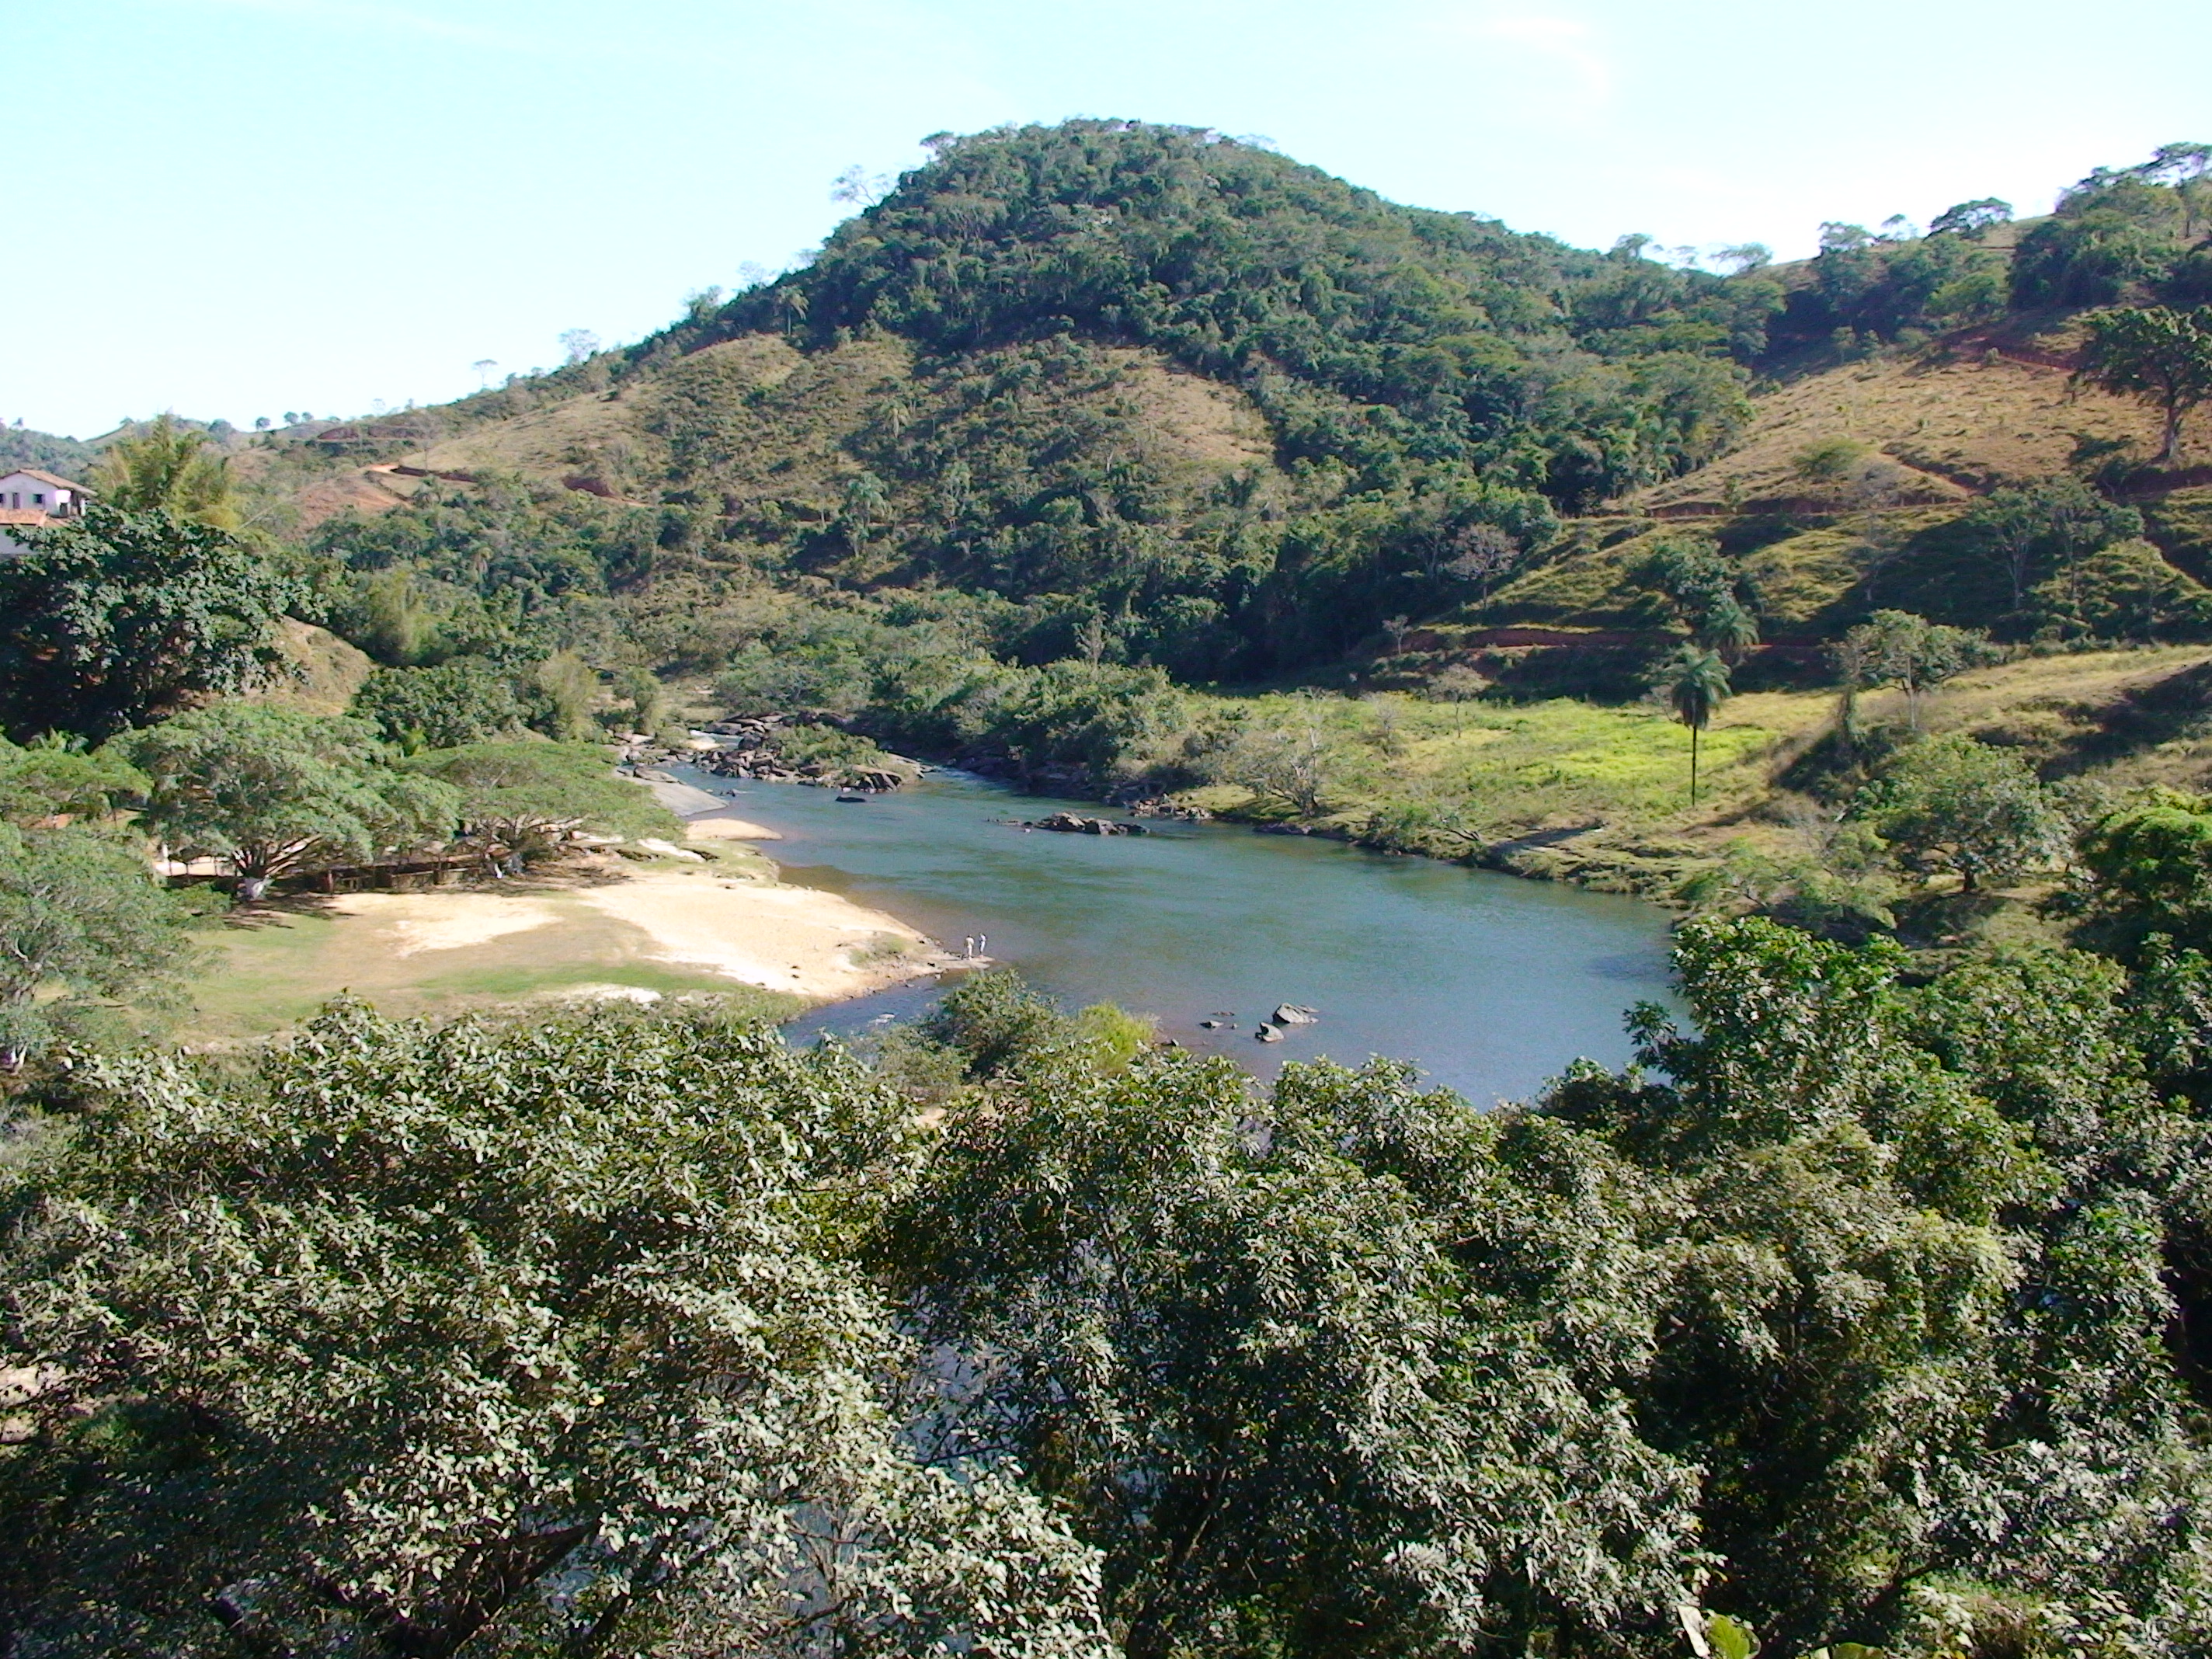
[1487,982]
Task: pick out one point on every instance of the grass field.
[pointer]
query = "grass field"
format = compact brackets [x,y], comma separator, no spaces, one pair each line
[1602,792]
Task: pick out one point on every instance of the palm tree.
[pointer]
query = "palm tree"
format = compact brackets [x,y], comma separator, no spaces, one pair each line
[1696,684]
[1726,628]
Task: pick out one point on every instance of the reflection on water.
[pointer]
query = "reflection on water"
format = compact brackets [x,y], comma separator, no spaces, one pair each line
[1488,983]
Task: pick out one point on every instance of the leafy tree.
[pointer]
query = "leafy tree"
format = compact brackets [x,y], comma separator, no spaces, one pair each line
[647,698]
[1895,647]
[2052,523]
[566,687]
[81,919]
[117,619]
[1956,804]
[277,792]
[1288,766]
[2158,355]
[1913,1287]
[1972,218]
[1312,1385]
[58,778]
[167,468]
[1711,593]
[2151,863]
[547,1340]
[522,797]
[461,701]
[1695,683]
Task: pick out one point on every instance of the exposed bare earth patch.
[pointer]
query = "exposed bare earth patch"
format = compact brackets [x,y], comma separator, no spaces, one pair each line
[722,828]
[408,924]
[363,492]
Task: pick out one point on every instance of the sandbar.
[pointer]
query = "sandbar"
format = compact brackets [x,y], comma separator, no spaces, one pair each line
[815,944]
[722,827]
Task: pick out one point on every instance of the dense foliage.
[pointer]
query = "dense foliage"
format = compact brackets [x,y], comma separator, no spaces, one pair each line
[1424,379]
[82,922]
[1855,1312]
[1386,339]
[117,619]
[541,1342]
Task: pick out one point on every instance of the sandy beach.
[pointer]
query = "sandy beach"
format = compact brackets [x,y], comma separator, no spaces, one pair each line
[705,917]
[816,944]
[756,932]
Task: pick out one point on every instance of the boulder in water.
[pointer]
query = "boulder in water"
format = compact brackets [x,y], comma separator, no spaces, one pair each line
[1074,824]
[1269,1034]
[1291,1014]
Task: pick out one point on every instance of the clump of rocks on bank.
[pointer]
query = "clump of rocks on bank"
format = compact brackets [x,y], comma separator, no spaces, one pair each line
[801,748]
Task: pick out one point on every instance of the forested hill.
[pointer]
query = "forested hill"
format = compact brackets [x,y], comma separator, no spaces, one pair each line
[1224,409]
[1157,396]
[1402,346]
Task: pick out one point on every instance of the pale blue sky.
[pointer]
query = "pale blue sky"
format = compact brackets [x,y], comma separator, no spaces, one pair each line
[237,208]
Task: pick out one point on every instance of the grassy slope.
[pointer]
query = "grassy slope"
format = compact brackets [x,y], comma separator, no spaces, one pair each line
[1958,418]
[775,431]
[1952,425]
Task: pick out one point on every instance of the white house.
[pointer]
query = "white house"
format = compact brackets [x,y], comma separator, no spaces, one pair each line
[29,496]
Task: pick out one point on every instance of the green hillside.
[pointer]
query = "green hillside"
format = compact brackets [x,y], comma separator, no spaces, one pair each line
[1076,418]
[1222,412]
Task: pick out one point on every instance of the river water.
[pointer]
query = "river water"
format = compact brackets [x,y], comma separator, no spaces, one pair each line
[1487,982]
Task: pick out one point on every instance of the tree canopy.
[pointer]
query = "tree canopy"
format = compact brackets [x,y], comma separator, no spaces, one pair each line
[2156,353]
[1953,802]
[117,619]
[164,467]
[519,796]
[82,921]
[275,791]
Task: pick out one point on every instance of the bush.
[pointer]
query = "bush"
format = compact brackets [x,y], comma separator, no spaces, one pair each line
[1951,803]
[458,702]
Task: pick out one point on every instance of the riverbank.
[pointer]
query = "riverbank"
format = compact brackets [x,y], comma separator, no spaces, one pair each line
[1597,795]
[711,917]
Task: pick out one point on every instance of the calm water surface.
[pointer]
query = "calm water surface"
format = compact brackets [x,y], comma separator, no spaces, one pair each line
[1489,984]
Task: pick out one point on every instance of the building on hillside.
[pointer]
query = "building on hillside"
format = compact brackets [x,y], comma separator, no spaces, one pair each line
[29,498]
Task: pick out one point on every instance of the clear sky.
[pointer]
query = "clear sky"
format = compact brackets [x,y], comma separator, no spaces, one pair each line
[238,208]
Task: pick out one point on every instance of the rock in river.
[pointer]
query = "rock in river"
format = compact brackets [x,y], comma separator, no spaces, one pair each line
[1291,1014]
[1269,1034]
[1074,824]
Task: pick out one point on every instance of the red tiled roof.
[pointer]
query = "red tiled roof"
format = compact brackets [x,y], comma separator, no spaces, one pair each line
[46,478]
